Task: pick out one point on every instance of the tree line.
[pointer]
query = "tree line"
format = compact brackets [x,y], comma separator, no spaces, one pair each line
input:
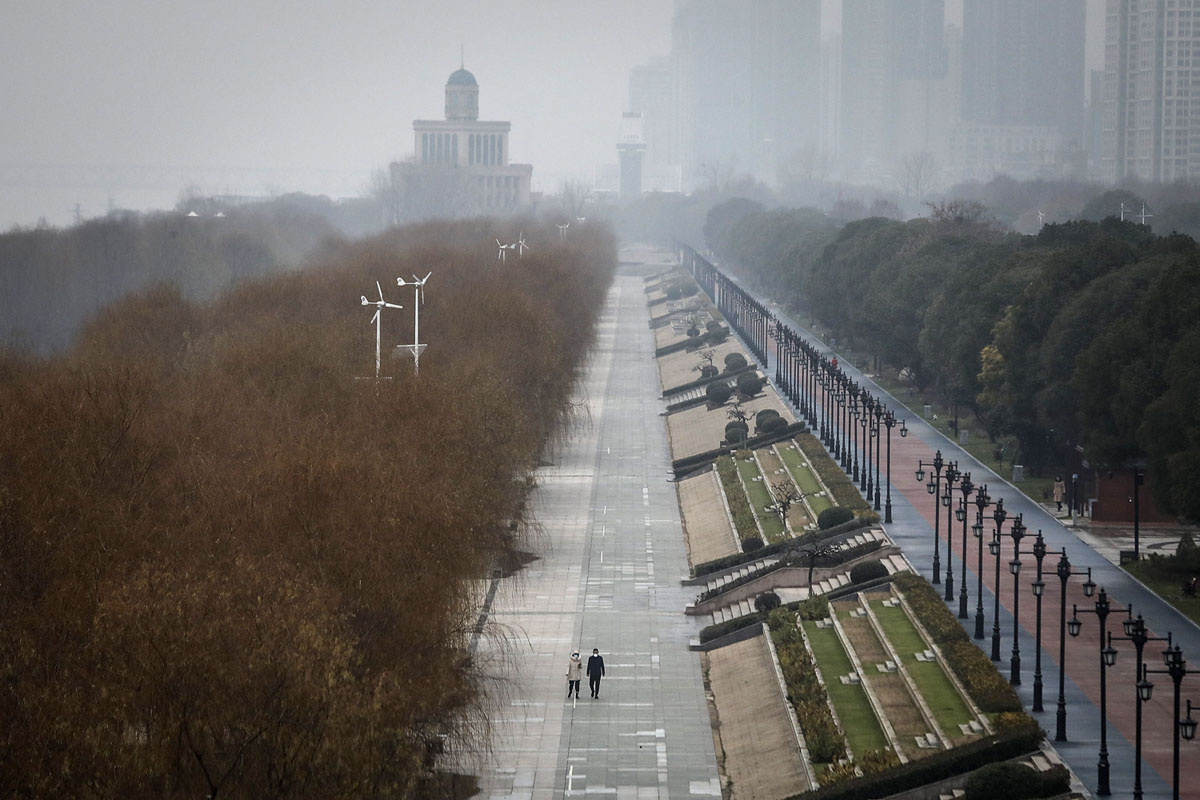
[1083,334]
[229,565]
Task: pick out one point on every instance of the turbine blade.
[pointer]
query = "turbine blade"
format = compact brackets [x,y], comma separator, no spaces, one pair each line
[380,288]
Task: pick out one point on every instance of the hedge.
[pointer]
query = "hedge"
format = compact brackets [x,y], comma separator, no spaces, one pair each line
[867,570]
[965,758]
[718,393]
[804,690]
[1006,780]
[834,516]
[737,559]
[990,691]
[844,491]
[735,495]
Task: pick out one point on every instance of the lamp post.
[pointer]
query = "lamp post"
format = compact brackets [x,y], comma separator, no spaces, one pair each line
[966,487]
[865,421]
[934,487]
[877,432]
[1089,588]
[1177,668]
[1135,631]
[889,419]
[948,502]
[999,515]
[1108,657]
[1014,566]
[1039,587]
[855,393]
[982,501]
[1139,478]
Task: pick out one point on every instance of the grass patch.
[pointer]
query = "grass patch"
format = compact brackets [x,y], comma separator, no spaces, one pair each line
[739,506]
[760,498]
[1166,583]
[770,462]
[844,491]
[801,472]
[861,728]
[939,692]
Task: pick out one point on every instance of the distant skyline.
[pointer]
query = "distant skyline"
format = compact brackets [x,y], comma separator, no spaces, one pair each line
[313,85]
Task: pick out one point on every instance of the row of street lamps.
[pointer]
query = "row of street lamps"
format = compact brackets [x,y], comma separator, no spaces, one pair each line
[839,409]
[849,420]
[942,470]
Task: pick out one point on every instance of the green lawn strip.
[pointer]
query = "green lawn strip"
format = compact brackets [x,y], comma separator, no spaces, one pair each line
[1167,585]
[760,498]
[940,695]
[802,473]
[770,462]
[861,728]
[843,491]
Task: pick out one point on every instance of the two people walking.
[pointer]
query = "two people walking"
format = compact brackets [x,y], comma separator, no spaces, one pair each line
[595,671]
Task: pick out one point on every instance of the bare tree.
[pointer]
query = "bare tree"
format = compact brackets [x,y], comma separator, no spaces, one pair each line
[574,195]
[786,495]
[737,412]
[919,173]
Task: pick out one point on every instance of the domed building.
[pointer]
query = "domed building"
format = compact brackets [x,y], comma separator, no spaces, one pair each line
[460,164]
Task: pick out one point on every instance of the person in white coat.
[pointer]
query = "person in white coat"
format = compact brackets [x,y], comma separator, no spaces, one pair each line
[574,674]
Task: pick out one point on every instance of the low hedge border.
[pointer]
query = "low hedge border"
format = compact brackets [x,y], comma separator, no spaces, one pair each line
[721,629]
[735,496]
[804,690]
[832,560]
[987,687]
[1000,746]
[737,559]
[694,342]
[844,491]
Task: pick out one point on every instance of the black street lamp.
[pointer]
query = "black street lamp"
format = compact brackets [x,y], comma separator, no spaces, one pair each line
[855,394]
[1108,656]
[1135,631]
[1139,478]
[934,487]
[889,419]
[1014,566]
[877,435]
[966,487]
[948,502]
[865,421]
[999,515]
[1176,667]
[1039,587]
[982,501]
[1089,588]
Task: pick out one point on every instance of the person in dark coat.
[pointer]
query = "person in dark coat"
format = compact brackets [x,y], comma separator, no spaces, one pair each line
[595,671]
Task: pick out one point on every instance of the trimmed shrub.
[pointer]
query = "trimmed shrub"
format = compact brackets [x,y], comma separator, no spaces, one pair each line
[709,371]
[764,415]
[767,601]
[749,384]
[717,336]
[834,516]
[673,292]
[814,608]
[734,362]
[1008,780]
[718,393]
[751,543]
[735,424]
[773,425]
[867,571]
[688,289]
[713,325]
[693,331]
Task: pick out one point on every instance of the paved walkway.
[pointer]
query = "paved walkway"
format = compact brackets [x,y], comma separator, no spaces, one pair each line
[612,554]
[912,529]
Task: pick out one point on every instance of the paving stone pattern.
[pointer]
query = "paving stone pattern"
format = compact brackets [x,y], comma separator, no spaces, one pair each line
[611,556]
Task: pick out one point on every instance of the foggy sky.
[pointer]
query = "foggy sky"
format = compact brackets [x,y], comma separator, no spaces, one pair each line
[304,83]
[311,83]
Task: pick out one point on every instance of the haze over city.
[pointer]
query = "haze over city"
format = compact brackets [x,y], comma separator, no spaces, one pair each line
[310,87]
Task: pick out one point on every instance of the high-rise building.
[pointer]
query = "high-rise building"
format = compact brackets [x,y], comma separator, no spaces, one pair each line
[1151,104]
[746,83]
[652,94]
[893,84]
[1023,64]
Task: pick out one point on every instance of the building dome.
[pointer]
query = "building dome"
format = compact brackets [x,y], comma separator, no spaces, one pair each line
[461,77]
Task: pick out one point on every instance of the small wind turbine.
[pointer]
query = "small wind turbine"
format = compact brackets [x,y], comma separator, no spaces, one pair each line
[562,230]
[504,248]
[380,305]
[1122,211]
[581,220]
[1142,217]
[521,245]
[1041,218]
[416,347]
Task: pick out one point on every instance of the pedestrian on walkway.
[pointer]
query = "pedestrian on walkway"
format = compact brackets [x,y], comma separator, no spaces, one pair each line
[1060,491]
[595,671]
[574,674]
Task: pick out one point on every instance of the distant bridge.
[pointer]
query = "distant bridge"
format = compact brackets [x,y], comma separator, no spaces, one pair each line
[257,180]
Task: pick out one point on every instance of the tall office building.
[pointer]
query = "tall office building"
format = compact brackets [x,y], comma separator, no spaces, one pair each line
[652,94]
[746,86]
[1151,105]
[893,84]
[1023,64]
